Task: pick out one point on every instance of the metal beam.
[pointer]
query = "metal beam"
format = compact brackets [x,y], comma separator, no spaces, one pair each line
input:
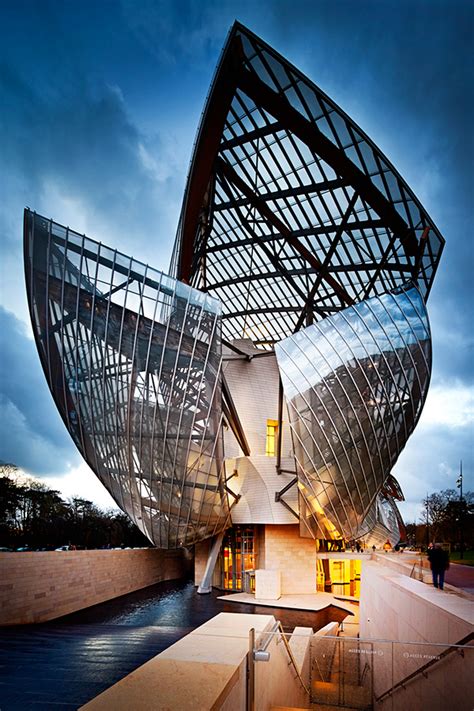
[280,108]
[419,256]
[266,212]
[206,582]
[290,485]
[235,348]
[266,310]
[230,413]
[358,225]
[305,314]
[277,263]
[289,192]
[254,135]
[280,425]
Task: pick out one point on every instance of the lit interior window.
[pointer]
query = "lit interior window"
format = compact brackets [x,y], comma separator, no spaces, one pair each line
[272,431]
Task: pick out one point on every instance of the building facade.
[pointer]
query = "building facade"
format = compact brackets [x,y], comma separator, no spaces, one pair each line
[263,391]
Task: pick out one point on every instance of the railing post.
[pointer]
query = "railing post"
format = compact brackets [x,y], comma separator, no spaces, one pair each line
[251,672]
[393,676]
[372,670]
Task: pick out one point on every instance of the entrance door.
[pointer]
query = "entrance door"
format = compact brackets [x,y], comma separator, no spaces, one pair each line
[238,556]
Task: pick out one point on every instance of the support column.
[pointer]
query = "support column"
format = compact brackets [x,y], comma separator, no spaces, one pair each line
[206,582]
[327,574]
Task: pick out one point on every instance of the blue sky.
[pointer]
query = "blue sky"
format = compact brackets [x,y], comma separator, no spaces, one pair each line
[100,105]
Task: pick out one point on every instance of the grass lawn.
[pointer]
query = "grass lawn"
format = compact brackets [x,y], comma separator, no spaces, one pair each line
[467,560]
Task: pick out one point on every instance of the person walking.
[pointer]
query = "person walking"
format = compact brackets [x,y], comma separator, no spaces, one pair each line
[439,562]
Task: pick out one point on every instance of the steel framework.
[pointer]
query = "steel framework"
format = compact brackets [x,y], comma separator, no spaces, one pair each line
[295,232]
[291,213]
[355,384]
[133,361]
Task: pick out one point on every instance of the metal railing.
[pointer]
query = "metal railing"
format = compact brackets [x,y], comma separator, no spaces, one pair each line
[260,653]
[458,647]
[355,673]
[292,659]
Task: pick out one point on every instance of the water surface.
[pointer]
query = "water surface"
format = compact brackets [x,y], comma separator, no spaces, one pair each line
[64,663]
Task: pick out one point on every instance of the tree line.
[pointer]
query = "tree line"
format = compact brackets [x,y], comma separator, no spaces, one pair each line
[445,518]
[34,516]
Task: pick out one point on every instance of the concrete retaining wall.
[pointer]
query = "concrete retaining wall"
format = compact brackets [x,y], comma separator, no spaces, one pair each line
[422,622]
[40,586]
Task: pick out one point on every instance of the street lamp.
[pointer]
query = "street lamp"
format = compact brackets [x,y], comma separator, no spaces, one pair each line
[427,521]
[461,532]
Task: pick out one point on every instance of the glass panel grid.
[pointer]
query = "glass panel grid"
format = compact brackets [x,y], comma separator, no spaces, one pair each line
[294,191]
[355,384]
[133,360]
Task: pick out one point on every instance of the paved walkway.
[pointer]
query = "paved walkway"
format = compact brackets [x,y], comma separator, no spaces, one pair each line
[315,603]
[458,579]
[461,576]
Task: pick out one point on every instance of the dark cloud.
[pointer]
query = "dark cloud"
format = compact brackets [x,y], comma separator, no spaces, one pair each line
[403,70]
[84,146]
[32,434]
[172,31]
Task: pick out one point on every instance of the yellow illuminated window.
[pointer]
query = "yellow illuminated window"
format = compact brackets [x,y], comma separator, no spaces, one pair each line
[272,432]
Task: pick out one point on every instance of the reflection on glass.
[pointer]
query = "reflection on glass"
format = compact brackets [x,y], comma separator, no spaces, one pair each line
[355,384]
[133,360]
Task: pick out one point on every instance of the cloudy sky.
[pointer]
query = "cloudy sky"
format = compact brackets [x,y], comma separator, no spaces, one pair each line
[100,101]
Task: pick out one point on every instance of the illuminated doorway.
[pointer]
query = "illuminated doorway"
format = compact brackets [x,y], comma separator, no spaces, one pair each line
[339,577]
[238,558]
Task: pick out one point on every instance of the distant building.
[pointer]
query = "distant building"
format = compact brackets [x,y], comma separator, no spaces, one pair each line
[262,393]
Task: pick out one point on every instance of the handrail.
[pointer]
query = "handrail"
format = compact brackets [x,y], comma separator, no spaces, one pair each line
[277,627]
[422,669]
[268,639]
[417,564]
[292,659]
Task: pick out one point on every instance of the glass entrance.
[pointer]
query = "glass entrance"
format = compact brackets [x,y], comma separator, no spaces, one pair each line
[339,577]
[238,557]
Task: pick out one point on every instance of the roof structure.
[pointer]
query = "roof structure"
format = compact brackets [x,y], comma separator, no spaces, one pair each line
[291,213]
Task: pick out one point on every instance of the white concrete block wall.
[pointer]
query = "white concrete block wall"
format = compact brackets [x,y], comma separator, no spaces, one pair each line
[257,482]
[254,388]
[267,584]
[295,557]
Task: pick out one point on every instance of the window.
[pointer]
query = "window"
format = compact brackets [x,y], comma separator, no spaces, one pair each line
[272,433]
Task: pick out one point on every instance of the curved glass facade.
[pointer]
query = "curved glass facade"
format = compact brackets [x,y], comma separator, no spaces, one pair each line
[133,360]
[297,237]
[383,523]
[355,384]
